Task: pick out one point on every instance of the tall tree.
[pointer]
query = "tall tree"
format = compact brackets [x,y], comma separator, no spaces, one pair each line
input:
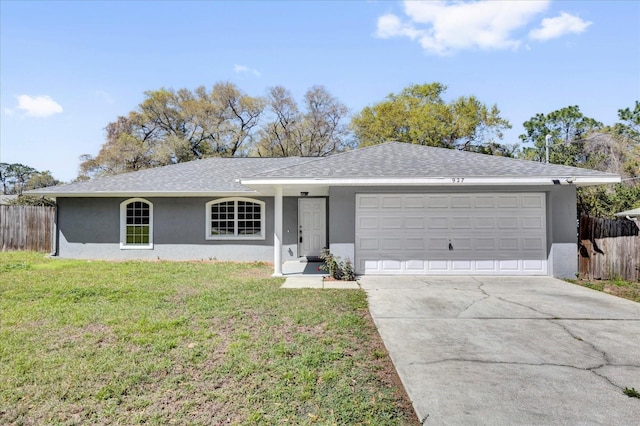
[420,115]
[279,136]
[4,177]
[628,130]
[129,146]
[17,178]
[317,130]
[581,141]
[174,126]
[568,129]
[620,154]
[41,180]
[19,175]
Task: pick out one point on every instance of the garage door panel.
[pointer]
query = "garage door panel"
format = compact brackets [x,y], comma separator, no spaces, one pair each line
[461,222]
[368,244]
[438,222]
[485,244]
[486,266]
[415,244]
[535,201]
[410,233]
[368,223]
[485,223]
[414,222]
[534,265]
[484,202]
[392,202]
[392,265]
[460,244]
[392,244]
[508,244]
[511,265]
[415,202]
[461,202]
[462,265]
[508,222]
[388,222]
[438,266]
[532,243]
[437,244]
[532,222]
[415,265]
[508,201]
[367,202]
[437,201]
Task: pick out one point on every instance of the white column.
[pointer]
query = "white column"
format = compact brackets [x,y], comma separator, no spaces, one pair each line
[277,233]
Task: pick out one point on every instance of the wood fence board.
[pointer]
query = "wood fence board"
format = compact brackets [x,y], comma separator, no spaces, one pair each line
[609,249]
[28,228]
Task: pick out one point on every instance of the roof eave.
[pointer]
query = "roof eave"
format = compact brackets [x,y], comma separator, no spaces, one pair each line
[436,181]
[105,194]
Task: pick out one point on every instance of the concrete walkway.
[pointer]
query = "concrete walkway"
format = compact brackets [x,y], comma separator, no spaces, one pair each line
[317,281]
[510,350]
[301,273]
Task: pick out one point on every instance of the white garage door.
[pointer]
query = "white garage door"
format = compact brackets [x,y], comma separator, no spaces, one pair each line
[451,234]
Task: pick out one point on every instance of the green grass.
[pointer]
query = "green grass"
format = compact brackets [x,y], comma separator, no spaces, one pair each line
[617,287]
[91,342]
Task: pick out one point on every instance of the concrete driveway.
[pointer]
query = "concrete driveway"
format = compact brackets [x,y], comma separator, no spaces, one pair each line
[510,350]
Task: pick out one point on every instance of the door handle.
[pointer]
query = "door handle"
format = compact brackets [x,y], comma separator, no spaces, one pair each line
[300,238]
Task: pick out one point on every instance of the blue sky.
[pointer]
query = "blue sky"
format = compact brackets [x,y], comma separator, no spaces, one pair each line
[67,69]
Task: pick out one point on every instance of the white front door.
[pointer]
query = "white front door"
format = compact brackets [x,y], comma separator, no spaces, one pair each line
[312,226]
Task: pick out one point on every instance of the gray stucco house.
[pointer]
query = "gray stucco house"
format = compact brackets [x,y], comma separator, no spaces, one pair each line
[393,208]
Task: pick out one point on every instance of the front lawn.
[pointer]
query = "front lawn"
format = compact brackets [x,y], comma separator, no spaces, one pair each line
[92,342]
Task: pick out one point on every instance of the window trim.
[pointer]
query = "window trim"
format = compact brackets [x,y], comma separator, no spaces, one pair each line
[123,226]
[235,237]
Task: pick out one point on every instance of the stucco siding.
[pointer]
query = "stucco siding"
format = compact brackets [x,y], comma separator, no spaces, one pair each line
[563,246]
[289,228]
[561,219]
[90,228]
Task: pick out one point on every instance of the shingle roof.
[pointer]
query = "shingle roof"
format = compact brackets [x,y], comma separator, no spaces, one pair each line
[389,160]
[397,159]
[209,175]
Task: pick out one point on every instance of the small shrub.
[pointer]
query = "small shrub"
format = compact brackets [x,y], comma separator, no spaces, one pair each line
[337,269]
[348,273]
[330,264]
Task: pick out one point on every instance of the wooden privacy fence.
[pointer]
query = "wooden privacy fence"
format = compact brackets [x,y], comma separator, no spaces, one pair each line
[27,228]
[609,249]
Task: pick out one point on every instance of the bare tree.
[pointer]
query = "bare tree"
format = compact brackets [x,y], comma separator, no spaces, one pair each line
[318,130]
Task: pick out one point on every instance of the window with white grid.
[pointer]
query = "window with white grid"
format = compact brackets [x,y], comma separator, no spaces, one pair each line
[235,218]
[136,224]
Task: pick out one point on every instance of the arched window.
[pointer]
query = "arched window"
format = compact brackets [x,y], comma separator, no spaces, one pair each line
[235,219]
[136,224]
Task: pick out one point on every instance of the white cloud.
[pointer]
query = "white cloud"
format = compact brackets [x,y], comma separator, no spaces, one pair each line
[244,69]
[39,106]
[559,26]
[391,26]
[444,27]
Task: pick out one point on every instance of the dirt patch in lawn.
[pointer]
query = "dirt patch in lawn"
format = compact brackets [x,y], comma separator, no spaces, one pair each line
[620,288]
